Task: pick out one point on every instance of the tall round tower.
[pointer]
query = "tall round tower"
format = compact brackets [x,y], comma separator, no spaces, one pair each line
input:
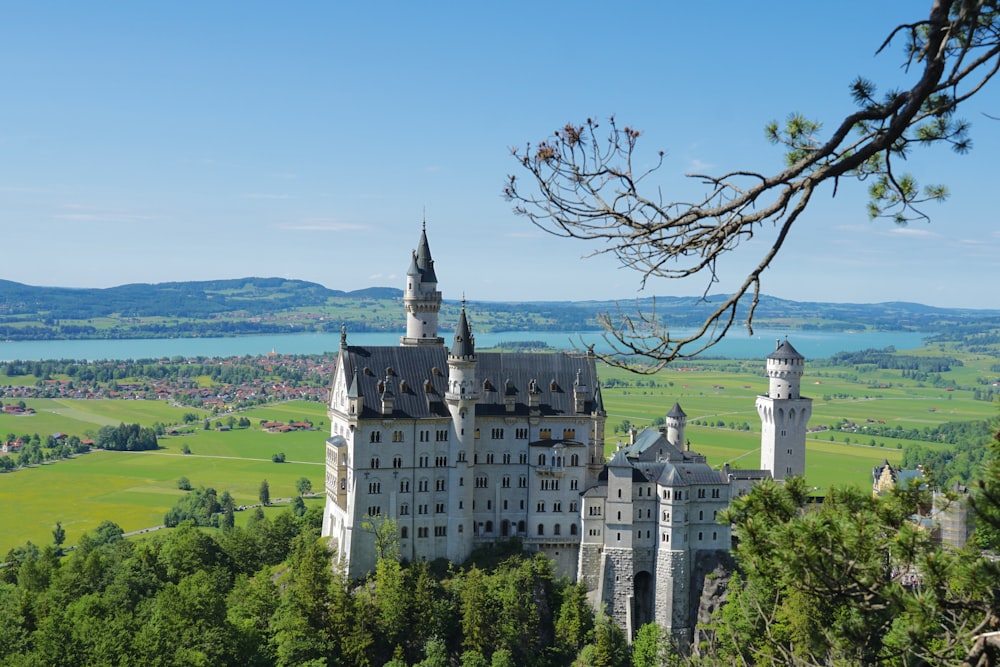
[675,421]
[784,414]
[421,299]
[461,397]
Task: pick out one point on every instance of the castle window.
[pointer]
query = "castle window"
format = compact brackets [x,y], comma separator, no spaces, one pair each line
[489,526]
[482,482]
[557,507]
[439,485]
[541,459]
[699,537]
[573,484]
[540,507]
[574,460]
[701,515]
[541,529]
[574,507]
[397,462]
[522,482]
[569,434]
[404,509]
[522,458]
[572,529]
[375,436]
[521,433]
[619,516]
[404,486]
[374,487]
[439,508]
[506,457]
[403,533]
[496,434]
[477,434]
[506,482]
[545,434]
[422,485]
[619,493]
[375,462]
[489,457]
[397,436]
[556,530]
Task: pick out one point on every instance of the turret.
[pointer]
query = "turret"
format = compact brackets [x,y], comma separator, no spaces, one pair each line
[675,421]
[784,414]
[421,298]
[461,397]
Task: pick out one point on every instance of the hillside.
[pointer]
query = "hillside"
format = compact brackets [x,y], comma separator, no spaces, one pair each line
[256,305]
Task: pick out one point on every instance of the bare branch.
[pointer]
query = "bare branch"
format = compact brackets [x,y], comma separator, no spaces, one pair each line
[582,182]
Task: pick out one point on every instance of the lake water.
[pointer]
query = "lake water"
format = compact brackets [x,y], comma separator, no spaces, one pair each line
[737,345]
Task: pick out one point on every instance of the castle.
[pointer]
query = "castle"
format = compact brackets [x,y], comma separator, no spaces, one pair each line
[461,449]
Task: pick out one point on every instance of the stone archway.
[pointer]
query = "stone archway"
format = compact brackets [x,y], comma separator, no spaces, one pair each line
[642,600]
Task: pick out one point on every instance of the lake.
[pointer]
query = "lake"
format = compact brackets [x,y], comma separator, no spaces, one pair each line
[737,345]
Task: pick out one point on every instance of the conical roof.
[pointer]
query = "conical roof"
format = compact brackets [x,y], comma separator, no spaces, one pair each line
[785,351]
[423,260]
[464,344]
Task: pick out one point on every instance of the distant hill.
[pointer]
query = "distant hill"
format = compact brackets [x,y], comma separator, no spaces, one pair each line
[181,299]
[278,305]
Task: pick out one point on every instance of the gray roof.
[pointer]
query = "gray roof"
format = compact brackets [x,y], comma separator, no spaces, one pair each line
[676,411]
[423,261]
[464,346]
[785,351]
[419,379]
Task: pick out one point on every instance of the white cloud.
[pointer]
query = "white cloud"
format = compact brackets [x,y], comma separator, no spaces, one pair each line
[911,232]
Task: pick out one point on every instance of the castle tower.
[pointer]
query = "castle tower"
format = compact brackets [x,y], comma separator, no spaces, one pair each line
[421,299]
[461,398]
[675,421]
[784,414]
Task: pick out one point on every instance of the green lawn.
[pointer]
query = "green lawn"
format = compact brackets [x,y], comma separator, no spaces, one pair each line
[135,489]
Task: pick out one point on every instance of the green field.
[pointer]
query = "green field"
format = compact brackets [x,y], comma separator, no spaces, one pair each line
[135,489]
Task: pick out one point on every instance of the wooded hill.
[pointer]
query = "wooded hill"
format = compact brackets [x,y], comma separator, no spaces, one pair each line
[277,305]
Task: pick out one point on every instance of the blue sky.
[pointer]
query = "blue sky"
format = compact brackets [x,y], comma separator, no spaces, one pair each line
[153,142]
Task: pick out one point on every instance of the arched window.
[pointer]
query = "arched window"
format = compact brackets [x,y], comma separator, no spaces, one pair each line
[541,529]
[489,526]
[557,530]
[572,529]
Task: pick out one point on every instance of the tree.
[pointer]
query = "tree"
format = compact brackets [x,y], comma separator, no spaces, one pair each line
[264,493]
[854,581]
[58,534]
[303,485]
[184,484]
[582,182]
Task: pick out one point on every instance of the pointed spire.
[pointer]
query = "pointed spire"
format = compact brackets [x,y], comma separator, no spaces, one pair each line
[465,343]
[422,258]
[343,335]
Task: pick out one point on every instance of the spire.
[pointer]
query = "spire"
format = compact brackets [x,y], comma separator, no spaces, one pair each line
[422,258]
[343,335]
[465,343]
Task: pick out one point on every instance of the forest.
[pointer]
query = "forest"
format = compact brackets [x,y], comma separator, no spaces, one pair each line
[853,582]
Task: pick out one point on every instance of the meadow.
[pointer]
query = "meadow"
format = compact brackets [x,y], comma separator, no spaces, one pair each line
[135,489]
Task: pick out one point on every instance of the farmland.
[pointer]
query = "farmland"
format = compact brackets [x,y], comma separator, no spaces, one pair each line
[854,407]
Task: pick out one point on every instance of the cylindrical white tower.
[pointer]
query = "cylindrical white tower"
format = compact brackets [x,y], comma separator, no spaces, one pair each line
[675,421]
[784,414]
[461,397]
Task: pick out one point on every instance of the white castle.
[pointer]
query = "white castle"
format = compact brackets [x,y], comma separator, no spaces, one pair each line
[463,449]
